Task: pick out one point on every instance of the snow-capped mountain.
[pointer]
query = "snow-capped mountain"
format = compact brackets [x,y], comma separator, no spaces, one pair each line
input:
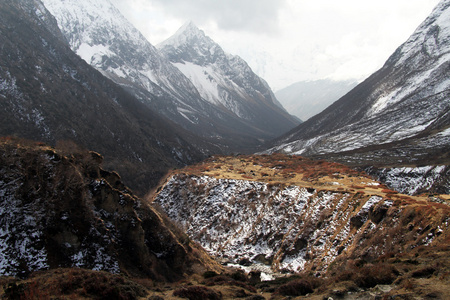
[49,94]
[98,32]
[305,99]
[225,80]
[406,104]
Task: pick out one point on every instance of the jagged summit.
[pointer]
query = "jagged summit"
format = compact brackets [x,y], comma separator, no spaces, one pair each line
[182,35]
[191,44]
[225,80]
[101,35]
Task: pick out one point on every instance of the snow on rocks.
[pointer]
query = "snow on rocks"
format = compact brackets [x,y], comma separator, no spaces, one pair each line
[288,228]
[403,100]
[414,180]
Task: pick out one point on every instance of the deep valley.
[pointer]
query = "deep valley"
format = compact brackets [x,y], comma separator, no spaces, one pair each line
[133,171]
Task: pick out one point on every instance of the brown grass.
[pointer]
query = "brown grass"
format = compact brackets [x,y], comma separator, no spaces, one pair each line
[197,293]
[74,284]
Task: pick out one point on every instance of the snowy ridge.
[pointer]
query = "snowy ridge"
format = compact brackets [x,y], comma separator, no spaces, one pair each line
[407,97]
[432,34]
[96,30]
[101,35]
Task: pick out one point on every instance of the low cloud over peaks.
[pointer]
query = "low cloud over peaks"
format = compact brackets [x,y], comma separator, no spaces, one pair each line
[258,16]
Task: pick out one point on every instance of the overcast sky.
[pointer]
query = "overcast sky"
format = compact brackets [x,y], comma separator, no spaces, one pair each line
[286,41]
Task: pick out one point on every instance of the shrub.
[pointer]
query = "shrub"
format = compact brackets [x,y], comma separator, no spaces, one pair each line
[239,276]
[197,293]
[299,287]
[75,284]
[424,272]
[209,274]
[25,291]
[372,275]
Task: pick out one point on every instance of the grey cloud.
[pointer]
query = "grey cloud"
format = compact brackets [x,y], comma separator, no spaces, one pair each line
[260,16]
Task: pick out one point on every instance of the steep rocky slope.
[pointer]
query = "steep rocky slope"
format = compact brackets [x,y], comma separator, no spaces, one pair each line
[290,214]
[48,93]
[401,112]
[63,210]
[414,180]
[106,40]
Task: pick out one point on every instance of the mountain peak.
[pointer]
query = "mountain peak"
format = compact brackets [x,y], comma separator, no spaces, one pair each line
[194,44]
[225,80]
[184,35]
[189,26]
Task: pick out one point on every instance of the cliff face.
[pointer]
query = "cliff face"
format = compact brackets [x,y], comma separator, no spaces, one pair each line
[66,211]
[291,214]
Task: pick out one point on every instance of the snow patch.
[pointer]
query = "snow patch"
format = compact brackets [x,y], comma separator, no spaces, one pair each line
[93,54]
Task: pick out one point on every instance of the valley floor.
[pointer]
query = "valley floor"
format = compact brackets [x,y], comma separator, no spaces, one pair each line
[413,233]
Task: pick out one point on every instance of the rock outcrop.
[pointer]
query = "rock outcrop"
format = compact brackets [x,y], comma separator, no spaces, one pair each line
[64,210]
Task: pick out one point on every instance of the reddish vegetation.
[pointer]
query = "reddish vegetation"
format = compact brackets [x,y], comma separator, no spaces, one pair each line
[301,165]
[288,166]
